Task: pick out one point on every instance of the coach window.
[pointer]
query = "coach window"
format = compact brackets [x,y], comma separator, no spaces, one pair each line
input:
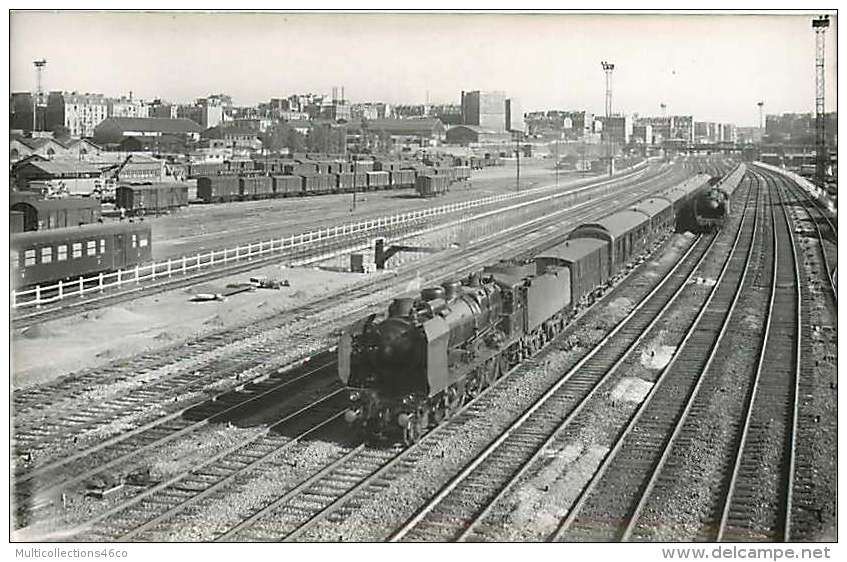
[91,248]
[62,252]
[77,250]
[46,255]
[29,257]
[102,245]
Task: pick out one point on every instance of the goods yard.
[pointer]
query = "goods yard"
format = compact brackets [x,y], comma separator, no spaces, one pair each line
[203,426]
[246,310]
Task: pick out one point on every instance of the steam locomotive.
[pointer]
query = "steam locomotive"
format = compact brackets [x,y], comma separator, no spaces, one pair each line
[712,206]
[431,353]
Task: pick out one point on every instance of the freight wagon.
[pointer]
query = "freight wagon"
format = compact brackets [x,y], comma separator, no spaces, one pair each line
[16,222]
[377,180]
[218,189]
[147,199]
[431,185]
[287,186]
[402,179]
[317,184]
[46,214]
[200,169]
[256,187]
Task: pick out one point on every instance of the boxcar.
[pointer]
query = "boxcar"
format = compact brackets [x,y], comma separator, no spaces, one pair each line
[200,169]
[39,258]
[586,258]
[377,180]
[217,189]
[431,185]
[16,221]
[626,231]
[146,199]
[317,184]
[287,186]
[343,182]
[45,214]
[255,187]
[402,178]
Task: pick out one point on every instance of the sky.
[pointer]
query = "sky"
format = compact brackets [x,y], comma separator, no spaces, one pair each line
[716,67]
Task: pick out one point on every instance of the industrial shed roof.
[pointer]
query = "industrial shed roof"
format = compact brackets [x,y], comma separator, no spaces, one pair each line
[621,222]
[652,206]
[62,167]
[572,250]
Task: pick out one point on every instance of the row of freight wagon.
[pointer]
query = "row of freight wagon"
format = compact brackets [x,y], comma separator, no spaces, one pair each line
[299,166]
[217,189]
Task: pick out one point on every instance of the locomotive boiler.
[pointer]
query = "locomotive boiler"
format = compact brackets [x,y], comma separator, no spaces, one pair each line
[412,368]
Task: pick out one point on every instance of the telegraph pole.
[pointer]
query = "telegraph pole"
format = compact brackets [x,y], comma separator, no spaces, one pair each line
[557,161]
[608,68]
[820,26]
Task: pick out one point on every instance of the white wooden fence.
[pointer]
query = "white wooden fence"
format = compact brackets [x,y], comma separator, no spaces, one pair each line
[46,294]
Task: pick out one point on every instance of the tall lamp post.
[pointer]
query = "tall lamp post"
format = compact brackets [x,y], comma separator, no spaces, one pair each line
[608,67]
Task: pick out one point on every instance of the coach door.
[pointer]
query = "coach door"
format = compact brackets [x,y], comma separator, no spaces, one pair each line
[119,252]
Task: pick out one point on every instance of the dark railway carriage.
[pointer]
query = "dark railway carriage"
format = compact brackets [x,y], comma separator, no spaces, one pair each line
[146,199]
[255,187]
[287,186]
[218,189]
[587,259]
[16,222]
[47,214]
[661,213]
[627,232]
[39,258]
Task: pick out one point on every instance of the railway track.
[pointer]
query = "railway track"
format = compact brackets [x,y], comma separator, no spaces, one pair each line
[27,317]
[240,354]
[305,504]
[64,472]
[473,503]
[333,493]
[186,357]
[814,490]
[606,503]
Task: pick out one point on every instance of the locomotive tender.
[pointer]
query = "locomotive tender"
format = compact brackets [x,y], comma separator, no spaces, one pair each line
[433,352]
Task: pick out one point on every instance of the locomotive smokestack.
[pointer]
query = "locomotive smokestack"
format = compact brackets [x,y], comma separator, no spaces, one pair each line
[451,290]
[400,307]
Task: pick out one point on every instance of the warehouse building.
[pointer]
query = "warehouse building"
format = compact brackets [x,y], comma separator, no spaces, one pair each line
[68,176]
[116,129]
[471,135]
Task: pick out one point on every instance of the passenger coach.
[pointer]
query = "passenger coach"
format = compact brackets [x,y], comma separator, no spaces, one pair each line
[45,257]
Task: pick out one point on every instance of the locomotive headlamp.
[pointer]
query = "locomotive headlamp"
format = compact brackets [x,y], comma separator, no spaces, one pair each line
[352,415]
[354,396]
[404,419]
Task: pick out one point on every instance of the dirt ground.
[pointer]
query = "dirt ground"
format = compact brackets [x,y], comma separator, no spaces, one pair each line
[94,338]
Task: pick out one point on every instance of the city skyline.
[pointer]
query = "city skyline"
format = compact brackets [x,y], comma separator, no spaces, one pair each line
[395,59]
